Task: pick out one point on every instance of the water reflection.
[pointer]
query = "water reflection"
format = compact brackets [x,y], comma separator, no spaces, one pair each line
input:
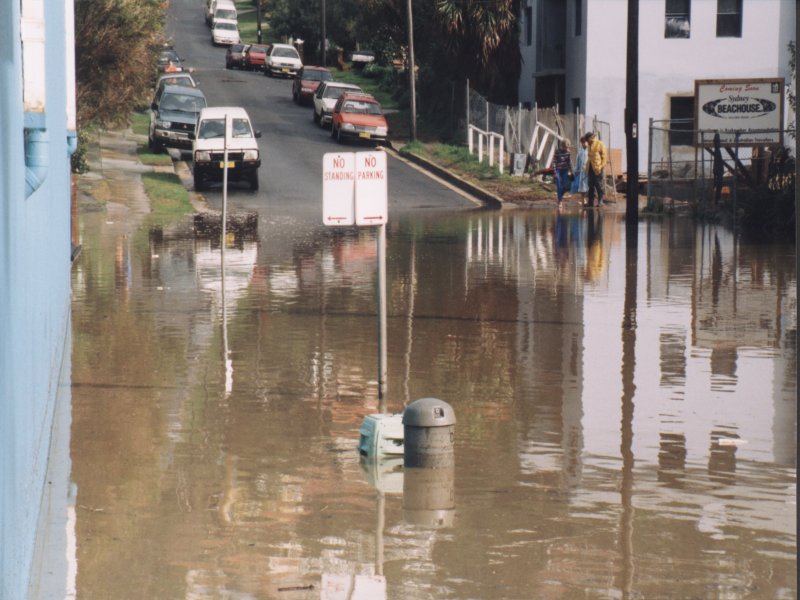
[542,332]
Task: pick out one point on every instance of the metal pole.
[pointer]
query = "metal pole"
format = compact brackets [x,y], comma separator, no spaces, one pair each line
[468,115]
[324,35]
[224,185]
[382,366]
[649,163]
[258,20]
[631,123]
[411,73]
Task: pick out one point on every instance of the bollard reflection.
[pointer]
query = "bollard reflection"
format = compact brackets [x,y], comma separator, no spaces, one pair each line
[429,498]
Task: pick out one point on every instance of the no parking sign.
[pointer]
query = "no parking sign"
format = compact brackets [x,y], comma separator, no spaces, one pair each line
[354,188]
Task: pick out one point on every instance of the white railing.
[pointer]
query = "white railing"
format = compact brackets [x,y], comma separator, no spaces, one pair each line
[490,138]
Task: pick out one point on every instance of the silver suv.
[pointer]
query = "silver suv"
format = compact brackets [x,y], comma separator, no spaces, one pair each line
[173,115]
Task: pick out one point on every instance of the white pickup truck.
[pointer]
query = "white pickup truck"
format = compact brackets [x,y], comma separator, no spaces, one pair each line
[210,140]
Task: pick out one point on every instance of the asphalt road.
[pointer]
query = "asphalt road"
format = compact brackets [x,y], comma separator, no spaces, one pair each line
[292,146]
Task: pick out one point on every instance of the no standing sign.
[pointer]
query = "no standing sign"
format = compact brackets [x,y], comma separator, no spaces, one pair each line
[354,188]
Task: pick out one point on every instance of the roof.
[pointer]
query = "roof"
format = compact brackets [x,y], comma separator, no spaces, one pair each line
[284,46]
[218,112]
[359,96]
[341,84]
[183,90]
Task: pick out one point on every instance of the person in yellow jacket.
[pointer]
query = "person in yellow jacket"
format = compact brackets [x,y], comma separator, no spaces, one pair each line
[595,164]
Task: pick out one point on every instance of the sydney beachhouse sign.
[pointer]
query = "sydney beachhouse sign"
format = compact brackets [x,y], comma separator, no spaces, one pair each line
[753,107]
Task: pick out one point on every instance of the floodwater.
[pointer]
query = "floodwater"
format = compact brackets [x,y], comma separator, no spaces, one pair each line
[626,421]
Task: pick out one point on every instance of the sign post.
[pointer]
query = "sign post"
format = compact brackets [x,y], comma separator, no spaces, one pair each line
[354,192]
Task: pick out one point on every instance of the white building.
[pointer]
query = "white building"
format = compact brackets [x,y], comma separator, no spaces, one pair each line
[574,54]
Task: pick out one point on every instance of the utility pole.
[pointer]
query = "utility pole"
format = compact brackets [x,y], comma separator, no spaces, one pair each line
[258,20]
[324,34]
[631,125]
[411,73]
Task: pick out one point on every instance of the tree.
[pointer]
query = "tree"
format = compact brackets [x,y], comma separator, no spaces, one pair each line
[483,42]
[115,57]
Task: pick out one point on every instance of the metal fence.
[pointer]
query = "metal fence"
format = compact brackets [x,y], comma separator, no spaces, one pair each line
[680,166]
[518,126]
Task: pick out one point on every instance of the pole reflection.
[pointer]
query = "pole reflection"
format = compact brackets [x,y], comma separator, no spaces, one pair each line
[626,429]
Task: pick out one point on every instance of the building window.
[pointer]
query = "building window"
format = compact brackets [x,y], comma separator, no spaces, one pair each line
[528,25]
[729,18]
[578,17]
[677,16]
[681,115]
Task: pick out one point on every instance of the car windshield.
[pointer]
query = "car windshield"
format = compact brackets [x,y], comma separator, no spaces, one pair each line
[212,128]
[315,75]
[286,53]
[168,56]
[361,108]
[334,91]
[258,50]
[225,13]
[241,128]
[184,81]
[226,26]
[182,103]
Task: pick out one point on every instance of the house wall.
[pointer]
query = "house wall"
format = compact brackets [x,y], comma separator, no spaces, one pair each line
[596,61]
[35,254]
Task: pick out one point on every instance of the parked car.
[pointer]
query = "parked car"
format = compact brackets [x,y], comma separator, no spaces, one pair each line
[208,146]
[325,99]
[225,11]
[169,61]
[174,116]
[225,32]
[358,117]
[213,5]
[234,56]
[282,59]
[307,81]
[256,57]
[361,58]
[183,79]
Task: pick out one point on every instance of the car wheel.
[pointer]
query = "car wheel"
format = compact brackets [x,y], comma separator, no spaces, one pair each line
[254,181]
[333,131]
[321,122]
[155,146]
[339,137]
[315,118]
[198,181]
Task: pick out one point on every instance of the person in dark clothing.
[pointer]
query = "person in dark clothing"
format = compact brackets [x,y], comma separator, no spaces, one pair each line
[562,164]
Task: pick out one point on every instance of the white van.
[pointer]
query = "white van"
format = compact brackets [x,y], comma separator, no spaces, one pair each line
[225,11]
[213,5]
[208,146]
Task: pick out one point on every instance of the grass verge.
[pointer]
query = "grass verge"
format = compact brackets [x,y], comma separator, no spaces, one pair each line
[169,200]
[459,161]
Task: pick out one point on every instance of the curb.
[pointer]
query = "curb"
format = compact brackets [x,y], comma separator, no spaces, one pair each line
[487,198]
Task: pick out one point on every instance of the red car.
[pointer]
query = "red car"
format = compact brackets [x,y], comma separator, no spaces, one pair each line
[359,117]
[307,81]
[255,57]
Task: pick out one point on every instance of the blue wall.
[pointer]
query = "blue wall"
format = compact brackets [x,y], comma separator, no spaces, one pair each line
[34,294]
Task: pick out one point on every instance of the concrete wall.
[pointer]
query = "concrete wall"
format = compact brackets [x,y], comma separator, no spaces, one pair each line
[596,61]
[34,288]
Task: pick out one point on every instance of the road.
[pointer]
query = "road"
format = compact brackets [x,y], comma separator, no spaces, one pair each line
[292,146]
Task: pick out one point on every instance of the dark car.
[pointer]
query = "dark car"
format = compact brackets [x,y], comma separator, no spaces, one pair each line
[256,57]
[234,56]
[169,61]
[307,81]
[174,116]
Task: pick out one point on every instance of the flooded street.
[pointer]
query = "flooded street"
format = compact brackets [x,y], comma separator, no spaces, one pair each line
[625,425]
